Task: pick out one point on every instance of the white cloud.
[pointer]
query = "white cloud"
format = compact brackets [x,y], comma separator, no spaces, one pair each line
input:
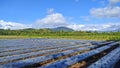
[82,27]
[50,11]
[113,2]
[110,11]
[12,25]
[77,27]
[51,20]
[95,27]
[106,12]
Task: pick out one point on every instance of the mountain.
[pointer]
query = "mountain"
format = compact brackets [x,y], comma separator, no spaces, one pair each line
[62,29]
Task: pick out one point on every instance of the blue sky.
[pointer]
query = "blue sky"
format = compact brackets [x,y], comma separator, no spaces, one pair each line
[29,10]
[50,13]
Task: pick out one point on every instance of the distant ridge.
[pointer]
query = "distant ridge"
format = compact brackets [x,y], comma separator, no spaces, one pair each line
[62,29]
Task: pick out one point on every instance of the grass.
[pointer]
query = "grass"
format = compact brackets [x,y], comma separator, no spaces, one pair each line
[12,37]
[97,37]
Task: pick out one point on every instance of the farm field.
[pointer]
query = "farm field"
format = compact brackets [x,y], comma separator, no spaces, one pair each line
[59,53]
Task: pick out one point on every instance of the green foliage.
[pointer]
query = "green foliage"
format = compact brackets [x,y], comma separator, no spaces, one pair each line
[48,33]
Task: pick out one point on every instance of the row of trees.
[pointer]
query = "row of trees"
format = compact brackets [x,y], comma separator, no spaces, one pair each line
[51,32]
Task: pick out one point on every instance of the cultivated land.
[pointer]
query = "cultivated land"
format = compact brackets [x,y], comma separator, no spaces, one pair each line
[59,53]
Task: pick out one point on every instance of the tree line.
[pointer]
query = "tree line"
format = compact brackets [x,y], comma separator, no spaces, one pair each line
[49,32]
